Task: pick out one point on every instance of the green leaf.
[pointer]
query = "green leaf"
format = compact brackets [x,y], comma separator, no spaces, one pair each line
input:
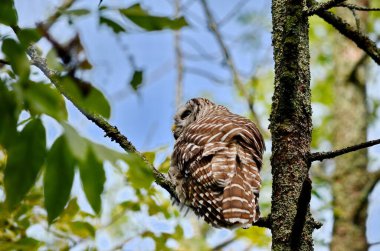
[58,179]
[43,98]
[77,144]
[117,28]
[104,153]
[139,174]
[16,55]
[8,14]
[93,177]
[8,115]
[52,61]
[87,97]
[77,12]
[136,80]
[151,23]
[25,160]
[28,36]
[82,229]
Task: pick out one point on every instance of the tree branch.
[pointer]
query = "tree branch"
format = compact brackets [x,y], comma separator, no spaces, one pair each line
[319,156]
[265,222]
[111,131]
[357,7]
[214,28]
[323,6]
[361,40]
[363,199]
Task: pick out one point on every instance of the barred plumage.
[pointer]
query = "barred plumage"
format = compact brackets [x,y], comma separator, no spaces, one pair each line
[216,162]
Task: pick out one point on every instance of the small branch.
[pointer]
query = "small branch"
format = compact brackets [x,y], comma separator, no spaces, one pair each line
[358,8]
[238,6]
[319,156]
[224,244]
[179,60]
[265,222]
[323,6]
[360,39]
[374,243]
[4,62]
[214,28]
[362,201]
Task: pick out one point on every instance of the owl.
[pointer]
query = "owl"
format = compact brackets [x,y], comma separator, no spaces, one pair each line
[216,162]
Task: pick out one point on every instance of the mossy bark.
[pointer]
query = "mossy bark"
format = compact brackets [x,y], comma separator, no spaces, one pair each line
[291,125]
[350,127]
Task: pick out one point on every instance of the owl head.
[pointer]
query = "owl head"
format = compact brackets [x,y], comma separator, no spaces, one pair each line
[192,110]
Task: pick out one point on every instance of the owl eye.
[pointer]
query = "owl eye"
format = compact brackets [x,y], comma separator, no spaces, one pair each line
[185,114]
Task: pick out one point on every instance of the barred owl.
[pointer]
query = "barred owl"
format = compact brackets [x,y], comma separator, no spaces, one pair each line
[216,162]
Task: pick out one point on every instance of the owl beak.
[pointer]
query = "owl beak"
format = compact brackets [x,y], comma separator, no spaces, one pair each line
[173,127]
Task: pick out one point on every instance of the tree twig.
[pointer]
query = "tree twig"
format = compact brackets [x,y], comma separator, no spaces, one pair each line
[213,26]
[179,60]
[362,201]
[357,7]
[323,6]
[360,39]
[224,244]
[319,156]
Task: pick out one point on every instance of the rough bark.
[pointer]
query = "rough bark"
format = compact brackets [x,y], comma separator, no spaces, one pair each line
[350,126]
[290,125]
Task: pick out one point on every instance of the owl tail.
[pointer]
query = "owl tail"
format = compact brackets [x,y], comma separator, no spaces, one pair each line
[238,203]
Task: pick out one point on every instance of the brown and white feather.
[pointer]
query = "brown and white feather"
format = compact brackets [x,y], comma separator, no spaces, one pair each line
[216,162]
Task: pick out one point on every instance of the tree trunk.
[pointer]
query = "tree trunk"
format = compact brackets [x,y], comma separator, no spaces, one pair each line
[291,125]
[350,127]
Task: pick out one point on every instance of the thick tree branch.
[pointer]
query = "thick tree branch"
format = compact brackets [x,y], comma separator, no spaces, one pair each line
[361,40]
[323,6]
[319,156]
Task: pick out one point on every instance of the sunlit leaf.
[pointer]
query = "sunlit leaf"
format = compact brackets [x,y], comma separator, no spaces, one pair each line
[87,97]
[8,14]
[82,229]
[164,166]
[77,144]
[256,235]
[149,22]
[117,28]
[25,160]
[58,179]
[44,99]
[139,174]
[105,153]
[136,80]
[16,55]
[52,61]
[93,177]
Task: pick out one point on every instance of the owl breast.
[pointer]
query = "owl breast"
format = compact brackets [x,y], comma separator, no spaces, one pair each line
[215,167]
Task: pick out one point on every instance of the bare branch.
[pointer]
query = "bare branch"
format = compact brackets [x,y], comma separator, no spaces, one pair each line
[357,7]
[224,244]
[265,222]
[4,62]
[238,6]
[319,156]
[213,26]
[323,6]
[362,201]
[179,59]
[205,74]
[361,40]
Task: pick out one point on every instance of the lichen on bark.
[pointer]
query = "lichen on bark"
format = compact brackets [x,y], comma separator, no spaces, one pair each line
[290,125]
